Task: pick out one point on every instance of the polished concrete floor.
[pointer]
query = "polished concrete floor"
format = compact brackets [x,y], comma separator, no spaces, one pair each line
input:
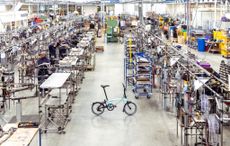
[150,126]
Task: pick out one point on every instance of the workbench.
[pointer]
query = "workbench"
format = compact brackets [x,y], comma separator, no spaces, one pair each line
[56,80]
[21,137]
[83,43]
[75,63]
[199,125]
[58,104]
[76,52]
[213,47]
[68,61]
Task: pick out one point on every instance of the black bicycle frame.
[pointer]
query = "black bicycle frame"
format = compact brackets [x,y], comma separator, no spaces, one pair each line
[105,94]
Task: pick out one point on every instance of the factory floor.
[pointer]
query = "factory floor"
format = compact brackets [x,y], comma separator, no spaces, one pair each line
[150,126]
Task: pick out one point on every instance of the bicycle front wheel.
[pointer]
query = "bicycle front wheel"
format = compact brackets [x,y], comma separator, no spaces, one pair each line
[130,108]
[97,108]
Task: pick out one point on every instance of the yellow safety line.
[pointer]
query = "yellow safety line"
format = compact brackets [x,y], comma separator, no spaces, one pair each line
[130,50]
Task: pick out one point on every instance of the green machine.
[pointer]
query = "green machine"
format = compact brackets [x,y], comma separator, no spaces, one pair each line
[112,30]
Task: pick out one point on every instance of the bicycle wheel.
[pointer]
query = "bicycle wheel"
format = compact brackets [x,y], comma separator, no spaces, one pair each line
[130,108]
[97,108]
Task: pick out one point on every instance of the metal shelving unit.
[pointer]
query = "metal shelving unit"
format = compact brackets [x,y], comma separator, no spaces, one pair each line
[143,76]
[130,50]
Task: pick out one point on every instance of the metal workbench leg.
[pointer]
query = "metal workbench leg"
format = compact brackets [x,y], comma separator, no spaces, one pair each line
[40,137]
[196,134]
[46,117]
[18,111]
[181,134]
[177,128]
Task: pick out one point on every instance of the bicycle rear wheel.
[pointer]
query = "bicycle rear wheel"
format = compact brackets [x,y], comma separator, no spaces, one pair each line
[97,108]
[130,108]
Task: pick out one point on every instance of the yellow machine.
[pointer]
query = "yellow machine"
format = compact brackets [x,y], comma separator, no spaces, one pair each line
[225,41]
[182,36]
[161,22]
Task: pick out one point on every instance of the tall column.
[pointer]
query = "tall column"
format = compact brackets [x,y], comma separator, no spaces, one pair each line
[102,13]
[140,11]
[188,13]
[67,8]
[215,17]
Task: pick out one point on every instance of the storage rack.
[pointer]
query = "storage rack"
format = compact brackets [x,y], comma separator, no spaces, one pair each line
[130,50]
[143,76]
[224,71]
[138,65]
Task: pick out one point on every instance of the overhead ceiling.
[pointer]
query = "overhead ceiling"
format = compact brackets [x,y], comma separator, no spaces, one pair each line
[71,1]
[75,1]
[81,1]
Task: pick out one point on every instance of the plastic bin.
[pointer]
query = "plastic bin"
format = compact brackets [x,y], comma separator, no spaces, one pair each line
[201,44]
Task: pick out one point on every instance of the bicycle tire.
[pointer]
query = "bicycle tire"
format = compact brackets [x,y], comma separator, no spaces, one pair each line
[98,108]
[128,106]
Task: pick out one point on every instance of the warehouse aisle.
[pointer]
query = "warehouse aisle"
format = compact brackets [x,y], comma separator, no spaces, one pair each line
[150,126]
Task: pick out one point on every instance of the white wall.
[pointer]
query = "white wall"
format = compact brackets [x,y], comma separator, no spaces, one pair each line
[171,9]
[87,9]
[133,8]
[20,17]
[118,9]
[175,9]
[146,8]
[11,16]
[203,19]
[110,10]
[159,8]
[199,17]
[2,8]
[206,19]
[130,9]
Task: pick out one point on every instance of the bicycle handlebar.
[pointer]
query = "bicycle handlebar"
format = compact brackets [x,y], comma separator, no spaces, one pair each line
[124,90]
[124,86]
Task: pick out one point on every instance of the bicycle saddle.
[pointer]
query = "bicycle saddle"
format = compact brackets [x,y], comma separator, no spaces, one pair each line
[104,86]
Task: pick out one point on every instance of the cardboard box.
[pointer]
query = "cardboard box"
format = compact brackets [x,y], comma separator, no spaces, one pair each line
[99,48]
[181,40]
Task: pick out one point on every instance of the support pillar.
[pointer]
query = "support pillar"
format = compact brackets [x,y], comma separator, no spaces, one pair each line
[140,11]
